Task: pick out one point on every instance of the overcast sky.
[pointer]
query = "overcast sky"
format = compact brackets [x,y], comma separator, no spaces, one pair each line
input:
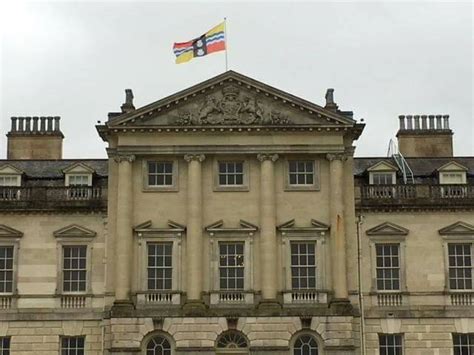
[74,59]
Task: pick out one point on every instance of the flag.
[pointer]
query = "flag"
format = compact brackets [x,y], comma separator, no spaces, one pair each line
[210,42]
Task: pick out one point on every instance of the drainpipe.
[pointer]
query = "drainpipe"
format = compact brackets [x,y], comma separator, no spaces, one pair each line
[359,279]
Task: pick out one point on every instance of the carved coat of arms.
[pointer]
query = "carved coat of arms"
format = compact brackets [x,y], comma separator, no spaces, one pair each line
[230,109]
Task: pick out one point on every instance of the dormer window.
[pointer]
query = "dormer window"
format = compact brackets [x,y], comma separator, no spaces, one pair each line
[78,174]
[382,178]
[10,180]
[452,173]
[382,173]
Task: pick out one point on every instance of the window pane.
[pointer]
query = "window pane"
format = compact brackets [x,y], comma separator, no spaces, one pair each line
[301,172]
[391,344]
[460,266]
[72,345]
[160,173]
[230,173]
[231,265]
[303,265]
[74,268]
[387,267]
[160,268]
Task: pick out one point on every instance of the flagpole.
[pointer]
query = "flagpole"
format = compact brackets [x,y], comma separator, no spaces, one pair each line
[226,43]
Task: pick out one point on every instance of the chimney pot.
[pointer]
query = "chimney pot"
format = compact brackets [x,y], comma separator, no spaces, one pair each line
[50,124]
[431,122]
[35,124]
[20,124]
[424,122]
[13,124]
[27,124]
[409,122]
[56,123]
[402,121]
[417,121]
[446,122]
[439,125]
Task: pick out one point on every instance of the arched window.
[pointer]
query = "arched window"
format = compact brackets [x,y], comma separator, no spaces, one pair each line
[158,345]
[305,344]
[231,340]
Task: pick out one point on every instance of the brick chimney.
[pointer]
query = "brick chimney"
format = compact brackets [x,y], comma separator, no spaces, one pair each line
[425,136]
[35,138]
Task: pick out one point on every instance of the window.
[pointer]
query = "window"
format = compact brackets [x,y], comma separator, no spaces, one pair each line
[453,178]
[74,268]
[231,340]
[303,265]
[160,173]
[391,344]
[4,345]
[463,344]
[460,266]
[385,178]
[158,345]
[6,269]
[160,267]
[301,172]
[231,173]
[388,267]
[73,345]
[305,345]
[9,180]
[231,265]
[79,180]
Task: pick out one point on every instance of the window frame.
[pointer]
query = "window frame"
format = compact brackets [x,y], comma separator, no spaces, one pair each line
[402,346]
[17,177]
[2,339]
[372,174]
[456,239]
[72,174]
[245,174]
[176,260]
[388,239]
[315,186]
[72,241]
[398,245]
[163,267]
[157,333]
[12,241]
[214,268]
[322,250]
[443,180]
[313,334]
[469,336]
[174,187]
[63,337]
[448,278]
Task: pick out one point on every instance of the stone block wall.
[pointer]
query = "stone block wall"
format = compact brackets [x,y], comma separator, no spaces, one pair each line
[44,337]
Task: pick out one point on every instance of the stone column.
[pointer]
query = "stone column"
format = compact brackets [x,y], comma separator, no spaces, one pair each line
[124,234]
[338,238]
[194,228]
[268,242]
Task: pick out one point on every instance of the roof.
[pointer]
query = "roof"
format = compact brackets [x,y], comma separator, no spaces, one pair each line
[419,166]
[54,168]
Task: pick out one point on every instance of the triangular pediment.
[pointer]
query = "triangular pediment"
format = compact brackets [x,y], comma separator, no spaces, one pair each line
[452,166]
[244,226]
[78,168]
[387,228]
[458,228]
[74,231]
[10,170]
[8,232]
[382,166]
[147,227]
[315,226]
[231,99]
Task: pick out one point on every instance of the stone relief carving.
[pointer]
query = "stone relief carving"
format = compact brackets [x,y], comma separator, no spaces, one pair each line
[231,108]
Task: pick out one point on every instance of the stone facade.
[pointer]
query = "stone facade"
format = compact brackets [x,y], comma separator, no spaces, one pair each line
[118,213]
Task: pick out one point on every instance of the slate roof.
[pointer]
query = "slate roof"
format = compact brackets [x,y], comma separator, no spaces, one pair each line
[419,166]
[53,169]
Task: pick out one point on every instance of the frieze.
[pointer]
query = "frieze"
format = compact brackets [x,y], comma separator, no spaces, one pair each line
[231,107]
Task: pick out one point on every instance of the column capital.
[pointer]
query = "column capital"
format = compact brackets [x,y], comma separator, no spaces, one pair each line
[194,157]
[266,156]
[336,156]
[124,157]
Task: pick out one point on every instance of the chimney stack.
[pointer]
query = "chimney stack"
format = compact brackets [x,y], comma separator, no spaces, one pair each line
[29,139]
[423,136]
